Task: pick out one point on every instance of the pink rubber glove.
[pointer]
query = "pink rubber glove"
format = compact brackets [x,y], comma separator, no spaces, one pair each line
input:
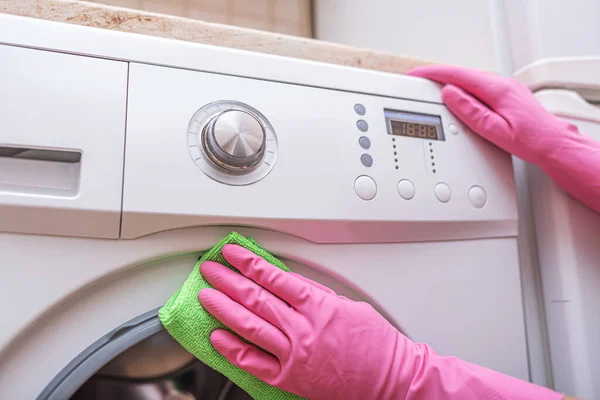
[324,346]
[505,112]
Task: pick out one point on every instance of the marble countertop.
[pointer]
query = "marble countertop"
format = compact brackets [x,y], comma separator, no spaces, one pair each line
[142,22]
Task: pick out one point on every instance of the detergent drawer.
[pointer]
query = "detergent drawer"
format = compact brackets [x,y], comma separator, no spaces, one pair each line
[62,132]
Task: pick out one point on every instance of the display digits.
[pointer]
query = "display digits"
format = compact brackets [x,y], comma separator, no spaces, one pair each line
[420,126]
[423,131]
[431,132]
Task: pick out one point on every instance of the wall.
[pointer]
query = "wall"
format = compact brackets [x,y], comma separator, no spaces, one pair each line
[291,17]
[552,28]
[461,32]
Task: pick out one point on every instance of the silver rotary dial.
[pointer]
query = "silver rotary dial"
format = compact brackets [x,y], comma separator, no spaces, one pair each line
[234,140]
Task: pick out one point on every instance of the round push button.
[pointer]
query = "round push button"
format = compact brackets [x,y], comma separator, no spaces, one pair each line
[406,189]
[366,160]
[365,187]
[477,196]
[364,142]
[442,192]
[360,109]
[362,125]
[453,129]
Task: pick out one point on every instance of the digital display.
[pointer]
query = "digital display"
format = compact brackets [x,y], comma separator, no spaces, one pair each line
[420,126]
[403,128]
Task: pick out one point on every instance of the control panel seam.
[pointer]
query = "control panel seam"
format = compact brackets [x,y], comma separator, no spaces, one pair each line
[124,152]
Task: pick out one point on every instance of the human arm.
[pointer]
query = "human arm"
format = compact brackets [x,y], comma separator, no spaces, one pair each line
[316,344]
[506,113]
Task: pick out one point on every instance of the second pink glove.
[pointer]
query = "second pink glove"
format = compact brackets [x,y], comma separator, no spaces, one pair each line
[507,114]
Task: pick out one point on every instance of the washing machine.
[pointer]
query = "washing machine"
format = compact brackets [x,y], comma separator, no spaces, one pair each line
[117,170]
[567,231]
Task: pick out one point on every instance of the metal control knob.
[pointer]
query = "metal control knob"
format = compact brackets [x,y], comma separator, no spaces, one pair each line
[234,140]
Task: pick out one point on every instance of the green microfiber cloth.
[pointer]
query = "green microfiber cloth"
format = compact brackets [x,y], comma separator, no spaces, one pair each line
[185,319]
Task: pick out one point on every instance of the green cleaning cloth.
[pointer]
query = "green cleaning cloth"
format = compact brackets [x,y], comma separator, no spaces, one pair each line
[185,319]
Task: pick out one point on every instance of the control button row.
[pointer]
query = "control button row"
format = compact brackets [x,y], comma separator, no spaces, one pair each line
[366,189]
[363,141]
[477,195]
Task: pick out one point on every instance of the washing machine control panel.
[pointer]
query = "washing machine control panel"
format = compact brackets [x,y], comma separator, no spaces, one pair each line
[409,133]
[327,165]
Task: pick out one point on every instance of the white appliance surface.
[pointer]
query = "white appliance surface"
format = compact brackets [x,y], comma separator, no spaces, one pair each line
[567,232]
[580,74]
[437,255]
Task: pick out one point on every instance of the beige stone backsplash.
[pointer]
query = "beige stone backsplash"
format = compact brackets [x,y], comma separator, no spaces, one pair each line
[169,26]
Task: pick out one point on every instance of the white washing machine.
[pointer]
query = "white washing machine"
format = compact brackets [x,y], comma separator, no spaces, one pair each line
[116,173]
[567,232]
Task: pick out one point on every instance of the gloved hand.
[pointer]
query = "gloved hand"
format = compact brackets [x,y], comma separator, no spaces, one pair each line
[318,345]
[506,113]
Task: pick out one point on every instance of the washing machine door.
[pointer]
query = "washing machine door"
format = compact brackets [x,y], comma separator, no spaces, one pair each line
[139,360]
[95,333]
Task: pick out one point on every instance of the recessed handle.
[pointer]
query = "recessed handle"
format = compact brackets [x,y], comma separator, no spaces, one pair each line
[28,153]
[34,171]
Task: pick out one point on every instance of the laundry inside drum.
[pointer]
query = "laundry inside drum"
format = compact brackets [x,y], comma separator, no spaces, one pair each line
[139,360]
[158,368]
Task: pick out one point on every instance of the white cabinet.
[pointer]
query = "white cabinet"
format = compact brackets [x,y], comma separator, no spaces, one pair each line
[567,234]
